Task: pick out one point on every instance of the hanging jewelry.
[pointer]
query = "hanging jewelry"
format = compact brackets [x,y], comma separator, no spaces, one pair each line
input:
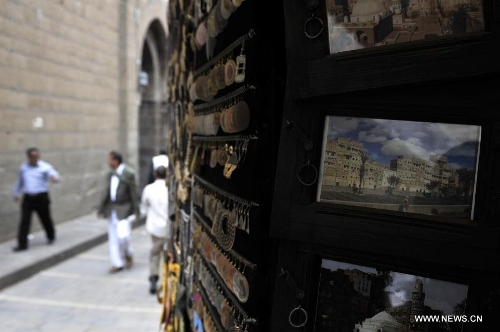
[240,65]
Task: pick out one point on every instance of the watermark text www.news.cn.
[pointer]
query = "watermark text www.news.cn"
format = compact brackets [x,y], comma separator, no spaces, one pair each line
[448,319]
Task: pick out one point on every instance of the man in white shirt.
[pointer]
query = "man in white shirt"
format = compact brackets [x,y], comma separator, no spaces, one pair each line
[159,160]
[154,203]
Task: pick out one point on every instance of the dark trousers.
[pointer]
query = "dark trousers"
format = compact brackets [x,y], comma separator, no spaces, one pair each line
[41,204]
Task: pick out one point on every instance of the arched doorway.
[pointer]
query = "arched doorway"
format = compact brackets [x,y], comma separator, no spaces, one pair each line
[152,110]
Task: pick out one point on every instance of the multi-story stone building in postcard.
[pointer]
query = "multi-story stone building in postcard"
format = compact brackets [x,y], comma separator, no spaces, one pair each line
[343,162]
[355,24]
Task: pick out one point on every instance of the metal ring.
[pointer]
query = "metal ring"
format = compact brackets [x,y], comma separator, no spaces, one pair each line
[309,20]
[290,317]
[315,174]
[225,229]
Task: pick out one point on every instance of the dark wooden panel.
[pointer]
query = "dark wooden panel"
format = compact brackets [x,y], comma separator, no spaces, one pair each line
[469,246]
[283,184]
[299,266]
[334,74]
[390,65]
[453,80]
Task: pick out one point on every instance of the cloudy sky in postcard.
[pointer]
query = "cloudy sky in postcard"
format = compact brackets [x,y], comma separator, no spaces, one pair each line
[386,139]
[439,294]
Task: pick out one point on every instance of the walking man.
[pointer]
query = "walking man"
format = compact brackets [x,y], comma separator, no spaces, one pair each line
[33,181]
[154,203]
[160,159]
[403,207]
[119,204]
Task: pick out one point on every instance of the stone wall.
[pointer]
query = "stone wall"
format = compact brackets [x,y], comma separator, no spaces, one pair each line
[68,78]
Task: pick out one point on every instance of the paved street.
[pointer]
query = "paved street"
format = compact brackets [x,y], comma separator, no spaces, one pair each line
[79,294]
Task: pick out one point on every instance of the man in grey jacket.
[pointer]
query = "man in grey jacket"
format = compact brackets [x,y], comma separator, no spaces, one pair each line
[119,204]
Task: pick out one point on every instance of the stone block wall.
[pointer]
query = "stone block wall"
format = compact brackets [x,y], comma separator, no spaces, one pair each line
[68,77]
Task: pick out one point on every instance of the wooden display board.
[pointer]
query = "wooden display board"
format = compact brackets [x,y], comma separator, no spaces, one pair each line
[388,158]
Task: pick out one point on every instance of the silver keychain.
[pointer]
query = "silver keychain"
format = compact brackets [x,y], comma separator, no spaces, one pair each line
[241,63]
